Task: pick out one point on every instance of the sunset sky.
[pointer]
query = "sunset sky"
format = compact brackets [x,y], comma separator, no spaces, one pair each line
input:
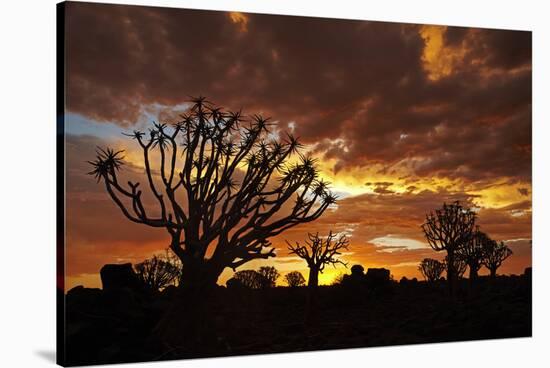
[401,117]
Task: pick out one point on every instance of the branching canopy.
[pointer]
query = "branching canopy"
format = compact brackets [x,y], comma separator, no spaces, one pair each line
[157,273]
[494,253]
[450,227]
[318,251]
[220,182]
[295,279]
[431,269]
[472,250]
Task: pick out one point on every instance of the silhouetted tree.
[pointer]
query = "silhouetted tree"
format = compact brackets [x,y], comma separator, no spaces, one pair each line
[338,279]
[171,258]
[318,252]
[249,278]
[459,266]
[448,229]
[472,252]
[221,188]
[295,279]
[431,269]
[269,276]
[157,273]
[494,254]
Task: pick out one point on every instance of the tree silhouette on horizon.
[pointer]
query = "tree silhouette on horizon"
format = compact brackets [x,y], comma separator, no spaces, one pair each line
[295,279]
[269,276]
[494,253]
[431,269]
[250,279]
[318,252]
[449,229]
[157,272]
[472,252]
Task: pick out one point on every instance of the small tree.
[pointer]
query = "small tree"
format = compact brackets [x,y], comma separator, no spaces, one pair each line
[171,258]
[431,269]
[494,254]
[269,276]
[448,229]
[318,252]
[249,278]
[472,252]
[156,273]
[459,266]
[295,279]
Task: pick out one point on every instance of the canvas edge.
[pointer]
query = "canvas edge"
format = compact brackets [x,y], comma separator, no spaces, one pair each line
[60,184]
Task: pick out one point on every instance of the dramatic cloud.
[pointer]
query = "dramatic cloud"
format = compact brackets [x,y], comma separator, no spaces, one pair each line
[401,117]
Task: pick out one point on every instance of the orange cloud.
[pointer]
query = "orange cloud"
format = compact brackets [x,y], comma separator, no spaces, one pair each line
[240,19]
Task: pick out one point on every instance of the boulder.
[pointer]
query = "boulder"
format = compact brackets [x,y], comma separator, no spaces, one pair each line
[377,276]
[357,271]
[81,297]
[234,284]
[118,276]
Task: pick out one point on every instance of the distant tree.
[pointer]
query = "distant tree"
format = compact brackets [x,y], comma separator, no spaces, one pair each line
[171,258]
[431,269]
[157,272]
[494,254]
[472,252]
[338,279]
[214,191]
[448,229]
[269,276]
[459,266]
[295,279]
[250,279]
[318,252]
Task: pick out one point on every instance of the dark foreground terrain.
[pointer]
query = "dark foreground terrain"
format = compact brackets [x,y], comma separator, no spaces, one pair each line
[111,326]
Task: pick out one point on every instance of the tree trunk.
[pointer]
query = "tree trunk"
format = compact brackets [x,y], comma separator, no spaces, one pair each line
[311,301]
[184,324]
[313,280]
[493,272]
[451,274]
[473,274]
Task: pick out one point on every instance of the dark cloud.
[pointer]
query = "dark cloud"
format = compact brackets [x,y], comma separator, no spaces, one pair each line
[523,191]
[361,83]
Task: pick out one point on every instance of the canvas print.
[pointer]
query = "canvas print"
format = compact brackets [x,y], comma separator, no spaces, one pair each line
[233,183]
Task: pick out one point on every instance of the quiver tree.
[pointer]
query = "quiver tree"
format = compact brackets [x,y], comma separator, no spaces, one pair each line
[449,229]
[431,269]
[156,273]
[221,186]
[459,266]
[249,278]
[295,279]
[472,252]
[494,254]
[319,252]
[268,276]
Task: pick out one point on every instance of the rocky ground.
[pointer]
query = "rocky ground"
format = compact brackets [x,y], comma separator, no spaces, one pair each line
[116,325]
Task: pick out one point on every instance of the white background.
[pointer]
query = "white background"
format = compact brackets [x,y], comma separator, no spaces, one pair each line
[27,182]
